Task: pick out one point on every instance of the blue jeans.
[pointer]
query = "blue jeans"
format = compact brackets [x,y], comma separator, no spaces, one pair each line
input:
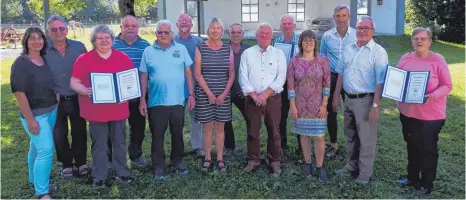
[40,154]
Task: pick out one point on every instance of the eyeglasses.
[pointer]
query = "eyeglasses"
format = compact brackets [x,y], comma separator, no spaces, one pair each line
[364,28]
[235,32]
[308,41]
[163,32]
[103,38]
[185,21]
[133,26]
[35,39]
[61,29]
[422,39]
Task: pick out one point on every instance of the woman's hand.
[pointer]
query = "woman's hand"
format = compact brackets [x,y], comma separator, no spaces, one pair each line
[33,126]
[323,111]
[212,98]
[294,112]
[220,99]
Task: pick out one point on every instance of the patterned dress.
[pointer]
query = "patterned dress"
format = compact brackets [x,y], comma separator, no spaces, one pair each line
[215,66]
[308,82]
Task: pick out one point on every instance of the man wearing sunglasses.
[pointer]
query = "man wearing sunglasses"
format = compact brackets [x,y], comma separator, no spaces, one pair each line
[129,42]
[61,55]
[184,37]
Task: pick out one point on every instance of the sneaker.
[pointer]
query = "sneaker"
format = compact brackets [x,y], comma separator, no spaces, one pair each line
[308,170]
[98,184]
[124,179]
[228,152]
[275,167]
[159,175]
[362,180]
[251,166]
[181,169]
[405,182]
[343,171]
[322,174]
[332,152]
[423,191]
[199,152]
[140,162]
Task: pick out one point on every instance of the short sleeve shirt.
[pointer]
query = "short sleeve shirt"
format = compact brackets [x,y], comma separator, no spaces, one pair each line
[166,70]
[33,80]
[92,62]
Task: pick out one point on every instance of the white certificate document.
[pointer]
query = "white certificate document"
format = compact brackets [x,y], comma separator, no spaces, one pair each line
[128,84]
[417,85]
[394,83]
[286,48]
[103,88]
[296,50]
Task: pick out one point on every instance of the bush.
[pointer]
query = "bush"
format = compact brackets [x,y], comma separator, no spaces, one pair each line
[444,17]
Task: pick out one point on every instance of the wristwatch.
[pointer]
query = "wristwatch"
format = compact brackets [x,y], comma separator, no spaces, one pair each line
[374,105]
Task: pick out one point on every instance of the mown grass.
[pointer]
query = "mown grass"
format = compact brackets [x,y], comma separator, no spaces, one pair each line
[390,159]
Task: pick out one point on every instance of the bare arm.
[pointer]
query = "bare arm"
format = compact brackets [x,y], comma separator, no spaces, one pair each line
[231,75]
[197,72]
[77,86]
[23,105]
[144,78]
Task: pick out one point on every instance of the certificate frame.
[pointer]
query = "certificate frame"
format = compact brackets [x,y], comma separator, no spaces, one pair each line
[135,84]
[95,88]
[118,81]
[407,85]
[286,48]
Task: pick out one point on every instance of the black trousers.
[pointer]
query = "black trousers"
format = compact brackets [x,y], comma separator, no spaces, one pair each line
[160,118]
[284,118]
[229,133]
[137,126]
[332,122]
[421,138]
[68,108]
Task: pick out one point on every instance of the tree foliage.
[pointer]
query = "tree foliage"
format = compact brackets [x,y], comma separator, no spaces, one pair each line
[64,8]
[444,17]
[142,7]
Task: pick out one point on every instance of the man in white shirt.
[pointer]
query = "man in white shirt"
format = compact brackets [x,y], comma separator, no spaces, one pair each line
[262,75]
[332,44]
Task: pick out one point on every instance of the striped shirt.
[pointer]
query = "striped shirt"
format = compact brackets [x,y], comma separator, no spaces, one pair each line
[134,51]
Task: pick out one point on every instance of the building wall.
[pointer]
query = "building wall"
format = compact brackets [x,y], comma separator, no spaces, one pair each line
[385,16]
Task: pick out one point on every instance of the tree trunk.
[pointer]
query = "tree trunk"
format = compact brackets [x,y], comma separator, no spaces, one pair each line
[126,7]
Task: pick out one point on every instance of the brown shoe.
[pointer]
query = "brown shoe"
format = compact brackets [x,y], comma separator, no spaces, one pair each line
[275,167]
[251,166]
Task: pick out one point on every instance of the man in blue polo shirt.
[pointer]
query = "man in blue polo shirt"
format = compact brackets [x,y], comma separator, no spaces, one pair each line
[130,43]
[184,37]
[165,67]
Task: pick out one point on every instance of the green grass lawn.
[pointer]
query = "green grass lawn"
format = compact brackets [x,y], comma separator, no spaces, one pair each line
[390,162]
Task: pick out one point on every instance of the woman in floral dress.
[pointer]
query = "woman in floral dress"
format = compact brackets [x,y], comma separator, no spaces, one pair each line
[308,78]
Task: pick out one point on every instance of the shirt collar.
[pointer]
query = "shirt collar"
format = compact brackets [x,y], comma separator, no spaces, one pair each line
[120,40]
[156,45]
[348,32]
[370,44]
[260,49]
[68,42]
[177,36]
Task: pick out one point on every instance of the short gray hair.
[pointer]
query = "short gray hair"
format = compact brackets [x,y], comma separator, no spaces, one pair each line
[55,18]
[264,25]
[341,7]
[237,24]
[287,15]
[418,30]
[215,20]
[101,29]
[164,22]
[368,18]
[128,17]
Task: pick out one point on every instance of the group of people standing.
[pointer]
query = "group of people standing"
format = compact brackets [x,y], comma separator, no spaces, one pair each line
[50,81]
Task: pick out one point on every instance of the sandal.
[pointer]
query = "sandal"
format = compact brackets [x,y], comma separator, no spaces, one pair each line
[221,169]
[83,171]
[66,174]
[207,168]
[43,195]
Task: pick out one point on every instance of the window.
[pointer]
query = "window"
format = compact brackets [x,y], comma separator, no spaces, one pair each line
[296,9]
[250,10]
[191,7]
[363,8]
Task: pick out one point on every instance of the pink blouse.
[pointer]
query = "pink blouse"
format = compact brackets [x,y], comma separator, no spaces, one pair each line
[440,85]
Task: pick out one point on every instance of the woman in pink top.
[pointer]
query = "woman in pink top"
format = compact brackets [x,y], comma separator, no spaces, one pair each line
[421,123]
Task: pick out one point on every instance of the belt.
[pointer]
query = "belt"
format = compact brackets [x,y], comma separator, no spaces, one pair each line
[361,95]
[334,73]
[68,97]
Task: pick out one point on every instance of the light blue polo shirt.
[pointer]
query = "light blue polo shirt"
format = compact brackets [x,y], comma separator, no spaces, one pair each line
[166,70]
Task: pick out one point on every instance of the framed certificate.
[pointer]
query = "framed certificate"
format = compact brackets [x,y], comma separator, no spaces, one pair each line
[115,87]
[287,49]
[405,86]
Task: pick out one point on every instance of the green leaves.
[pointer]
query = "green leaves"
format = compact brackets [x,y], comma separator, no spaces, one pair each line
[64,8]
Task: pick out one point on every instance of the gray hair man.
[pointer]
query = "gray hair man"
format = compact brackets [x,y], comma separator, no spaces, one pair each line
[61,56]
[331,46]
[262,76]
[287,26]
[184,37]
[237,97]
[130,43]
[361,70]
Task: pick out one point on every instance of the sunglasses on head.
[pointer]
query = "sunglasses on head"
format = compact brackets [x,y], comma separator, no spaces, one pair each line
[163,32]
[61,29]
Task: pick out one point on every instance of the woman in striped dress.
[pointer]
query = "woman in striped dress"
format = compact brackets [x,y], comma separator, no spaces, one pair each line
[215,74]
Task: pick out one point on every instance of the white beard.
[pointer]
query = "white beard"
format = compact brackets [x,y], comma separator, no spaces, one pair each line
[184,29]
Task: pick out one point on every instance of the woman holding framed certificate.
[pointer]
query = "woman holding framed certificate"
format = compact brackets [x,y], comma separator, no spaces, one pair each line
[101,68]
[308,78]
[421,123]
